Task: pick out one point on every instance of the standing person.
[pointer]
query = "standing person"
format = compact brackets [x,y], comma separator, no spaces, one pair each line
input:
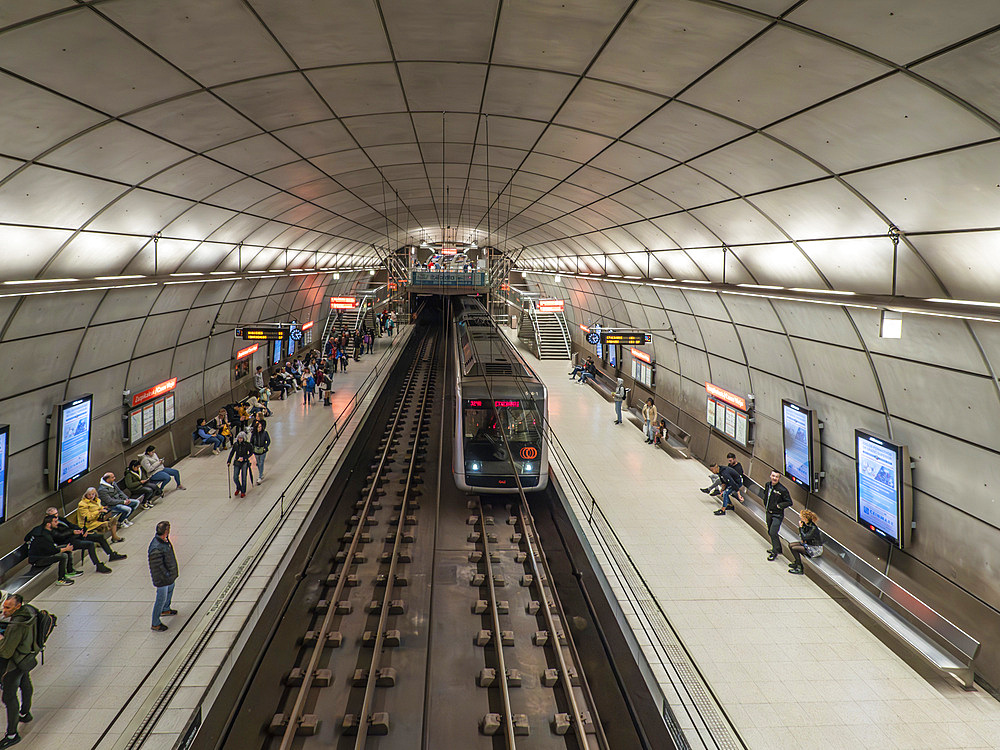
[619,397]
[239,458]
[163,571]
[260,442]
[731,482]
[156,470]
[776,499]
[258,379]
[308,387]
[811,544]
[649,420]
[19,649]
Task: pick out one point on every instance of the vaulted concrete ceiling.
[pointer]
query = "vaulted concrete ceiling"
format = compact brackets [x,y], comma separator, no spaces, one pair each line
[660,138]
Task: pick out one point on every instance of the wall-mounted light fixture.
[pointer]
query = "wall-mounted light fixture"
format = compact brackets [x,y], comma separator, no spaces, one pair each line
[890,325]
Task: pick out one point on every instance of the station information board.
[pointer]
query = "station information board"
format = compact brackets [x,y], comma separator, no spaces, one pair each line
[623,338]
[72,421]
[343,303]
[151,410]
[728,413]
[884,487]
[262,333]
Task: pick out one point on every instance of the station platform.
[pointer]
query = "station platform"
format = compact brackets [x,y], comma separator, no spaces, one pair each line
[745,654]
[108,681]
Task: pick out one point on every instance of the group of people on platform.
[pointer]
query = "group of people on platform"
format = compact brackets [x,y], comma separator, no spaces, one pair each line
[728,481]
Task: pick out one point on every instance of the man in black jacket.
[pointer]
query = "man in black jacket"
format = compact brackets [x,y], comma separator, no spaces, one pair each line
[163,571]
[43,551]
[67,532]
[732,482]
[716,487]
[776,499]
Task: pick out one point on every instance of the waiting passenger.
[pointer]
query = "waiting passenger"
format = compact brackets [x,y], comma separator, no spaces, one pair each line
[731,483]
[43,551]
[776,499]
[716,487]
[649,420]
[208,436]
[589,371]
[577,369]
[112,497]
[223,429]
[67,532]
[157,471]
[619,397]
[260,442]
[258,379]
[239,458]
[309,388]
[138,487]
[95,516]
[811,544]
[662,433]
[18,656]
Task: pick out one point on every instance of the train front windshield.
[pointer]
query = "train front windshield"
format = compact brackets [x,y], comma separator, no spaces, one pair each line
[485,425]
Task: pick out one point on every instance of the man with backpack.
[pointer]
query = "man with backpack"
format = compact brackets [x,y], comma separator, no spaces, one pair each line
[22,640]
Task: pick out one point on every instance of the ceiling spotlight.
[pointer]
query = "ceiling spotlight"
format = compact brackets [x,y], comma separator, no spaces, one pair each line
[371,271]
[336,275]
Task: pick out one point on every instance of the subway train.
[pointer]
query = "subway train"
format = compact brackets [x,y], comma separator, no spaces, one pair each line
[501,418]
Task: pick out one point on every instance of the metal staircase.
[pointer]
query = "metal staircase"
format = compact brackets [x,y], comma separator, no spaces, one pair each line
[546,333]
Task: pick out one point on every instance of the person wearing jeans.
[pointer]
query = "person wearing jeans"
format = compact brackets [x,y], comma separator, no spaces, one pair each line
[732,483]
[619,397]
[157,472]
[18,656]
[43,551]
[776,499]
[649,420]
[163,571]
[239,458]
[260,441]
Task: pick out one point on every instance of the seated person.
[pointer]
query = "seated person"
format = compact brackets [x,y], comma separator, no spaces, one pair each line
[277,385]
[254,406]
[43,551]
[716,487]
[589,371]
[138,487]
[156,470]
[732,483]
[223,429]
[207,436]
[661,432]
[96,517]
[112,497]
[577,369]
[66,532]
[810,544]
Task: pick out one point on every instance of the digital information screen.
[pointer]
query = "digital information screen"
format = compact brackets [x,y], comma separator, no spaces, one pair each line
[73,440]
[624,338]
[277,353]
[4,456]
[262,333]
[883,504]
[798,444]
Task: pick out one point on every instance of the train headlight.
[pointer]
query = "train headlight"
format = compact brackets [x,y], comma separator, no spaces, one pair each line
[475,467]
[527,466]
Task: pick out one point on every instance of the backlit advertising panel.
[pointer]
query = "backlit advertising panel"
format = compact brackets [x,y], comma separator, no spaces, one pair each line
[73,439]
[884,495]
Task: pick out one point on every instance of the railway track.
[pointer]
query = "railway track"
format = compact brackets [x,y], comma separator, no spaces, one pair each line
[435,623]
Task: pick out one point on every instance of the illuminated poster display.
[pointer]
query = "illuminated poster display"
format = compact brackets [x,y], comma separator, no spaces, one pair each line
[4,455]
[73,439]
[797,435]
[135,425]
[168,408]
[158,413]
[728,413]
[883,493]
[147,419]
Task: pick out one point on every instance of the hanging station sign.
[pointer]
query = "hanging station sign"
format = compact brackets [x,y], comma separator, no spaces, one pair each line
[343,303]
[551,305]
[262,333]
[623,338]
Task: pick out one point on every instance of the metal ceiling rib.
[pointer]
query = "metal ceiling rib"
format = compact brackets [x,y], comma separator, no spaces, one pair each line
[616,127]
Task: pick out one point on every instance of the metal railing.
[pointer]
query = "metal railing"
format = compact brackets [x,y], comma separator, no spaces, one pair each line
[233,579]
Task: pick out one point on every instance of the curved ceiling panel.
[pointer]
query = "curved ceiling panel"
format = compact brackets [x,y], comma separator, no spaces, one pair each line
[788,133]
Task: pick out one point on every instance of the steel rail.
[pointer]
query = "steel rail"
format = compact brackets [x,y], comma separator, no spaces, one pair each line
[288,737]
[366,704]
[508,715]
[577,720]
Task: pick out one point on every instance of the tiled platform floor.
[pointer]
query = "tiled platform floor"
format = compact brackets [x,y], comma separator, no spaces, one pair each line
[779,653]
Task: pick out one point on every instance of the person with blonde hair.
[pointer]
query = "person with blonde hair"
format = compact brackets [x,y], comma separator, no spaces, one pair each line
[811,544]
[94,516]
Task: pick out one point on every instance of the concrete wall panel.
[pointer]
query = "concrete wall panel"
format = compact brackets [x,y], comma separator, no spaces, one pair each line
[159,332]
[52,312]
[107,345]
[826,323]
[833,370]
[721,339]
[49,359]
[770,352]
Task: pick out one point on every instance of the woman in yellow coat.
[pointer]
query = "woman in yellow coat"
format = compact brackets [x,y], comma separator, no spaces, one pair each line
[93,516]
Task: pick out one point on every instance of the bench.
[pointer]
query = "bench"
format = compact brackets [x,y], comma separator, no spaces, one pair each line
[198,446]
[923,630]
[29,581]
[677,442]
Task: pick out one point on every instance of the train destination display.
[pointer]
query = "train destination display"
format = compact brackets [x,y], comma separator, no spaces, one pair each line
[884,497]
